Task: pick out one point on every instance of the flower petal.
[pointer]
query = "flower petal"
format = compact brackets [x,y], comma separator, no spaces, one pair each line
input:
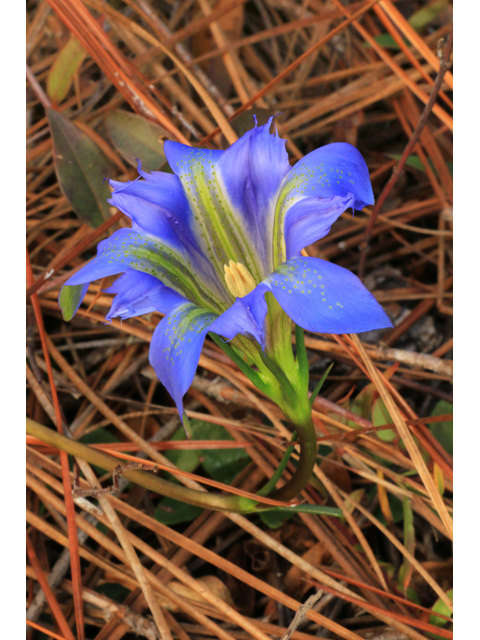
[310,219]
[156,205]
[239,320]
[176,346]
[253,170]
[336,169]
[140,293]
[233,194]
[333,170]
[325,298]
[127,249]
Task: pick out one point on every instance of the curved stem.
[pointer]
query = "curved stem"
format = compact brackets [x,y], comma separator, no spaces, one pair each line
[308,455]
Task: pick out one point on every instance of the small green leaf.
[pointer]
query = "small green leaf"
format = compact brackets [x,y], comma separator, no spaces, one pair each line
[270,485]
[222,465]
[413,161]
[316,509]
[136,138]
[441,608]
[380,416]
[274,519]
[406,569]
[69,299]
[443,431]
[81,167]
[424,16]
[171,512]
[386,41]
[319,385]
[185,459]
[62,72]
[396,508]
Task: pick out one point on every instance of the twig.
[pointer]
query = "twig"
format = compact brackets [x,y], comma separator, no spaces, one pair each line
[444,55]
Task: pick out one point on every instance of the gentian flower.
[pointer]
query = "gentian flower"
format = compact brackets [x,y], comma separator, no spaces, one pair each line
[216,247]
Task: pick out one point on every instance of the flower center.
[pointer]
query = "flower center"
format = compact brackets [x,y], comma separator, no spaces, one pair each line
[238,279]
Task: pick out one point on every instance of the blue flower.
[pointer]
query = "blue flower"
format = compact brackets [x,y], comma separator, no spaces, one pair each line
[210,241]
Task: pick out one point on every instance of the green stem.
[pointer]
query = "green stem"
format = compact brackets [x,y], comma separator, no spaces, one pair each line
[150,481]
[308,455]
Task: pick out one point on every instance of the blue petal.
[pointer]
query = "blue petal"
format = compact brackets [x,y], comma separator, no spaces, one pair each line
[310,219]
[233,195]
[253,170]
[126,249]
[240,319]
[325,298]
[140,293]
[113,256]
[333,170]
[156,205]
[176,346]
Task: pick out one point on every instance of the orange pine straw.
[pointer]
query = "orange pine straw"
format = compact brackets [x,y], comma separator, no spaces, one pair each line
[385,594]
[67,482]
[50,634]
[52,601]
[412,622]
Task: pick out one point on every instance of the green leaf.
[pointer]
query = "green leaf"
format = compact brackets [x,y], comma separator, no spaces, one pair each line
[386,41]
[406,569]
[424,16]
[81,167]
[443,431]
[185,459]
[274,519]
[63,70]
[316,509]
[69,299]
[270,485]
[171,512]
[413,161]
[319,385]
[396,508]
[380,416]
[135,137]
[441,607]
[222,465]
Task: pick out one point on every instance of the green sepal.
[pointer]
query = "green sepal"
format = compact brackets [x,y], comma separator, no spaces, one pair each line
[186,424]
[252,375]
[302,358]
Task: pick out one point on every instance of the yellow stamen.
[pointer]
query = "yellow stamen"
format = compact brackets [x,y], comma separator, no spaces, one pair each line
[238,279]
